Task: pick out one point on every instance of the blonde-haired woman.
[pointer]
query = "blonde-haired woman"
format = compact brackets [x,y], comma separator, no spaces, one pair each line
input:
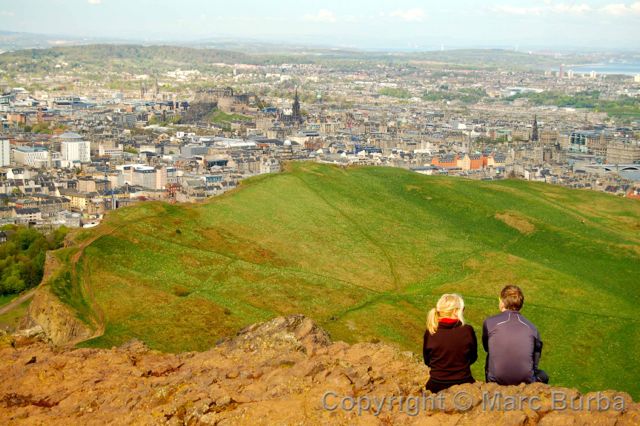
[450,346]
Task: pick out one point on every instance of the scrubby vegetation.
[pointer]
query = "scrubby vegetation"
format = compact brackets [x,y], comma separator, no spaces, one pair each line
[624,107]
[465,95]
[395,92]
[22,257]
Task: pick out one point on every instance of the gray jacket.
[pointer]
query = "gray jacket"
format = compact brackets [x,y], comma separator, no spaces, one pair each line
[513,348]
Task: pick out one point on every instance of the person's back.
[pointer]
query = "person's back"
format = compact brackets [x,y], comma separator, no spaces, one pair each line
[450,351]
[449,346]
[512,343]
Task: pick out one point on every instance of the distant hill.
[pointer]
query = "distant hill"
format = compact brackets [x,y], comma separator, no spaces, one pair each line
[10,40]
[134,55]
[101,58]
[365,252]
[491,58]
[115,58]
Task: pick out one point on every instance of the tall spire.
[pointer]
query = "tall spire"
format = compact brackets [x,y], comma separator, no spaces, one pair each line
[296,108]
[534,131]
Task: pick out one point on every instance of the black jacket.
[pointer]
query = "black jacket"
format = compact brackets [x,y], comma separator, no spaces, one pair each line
[450,352]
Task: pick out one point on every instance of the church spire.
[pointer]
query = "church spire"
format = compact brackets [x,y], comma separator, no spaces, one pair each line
[534,131]
[296,108]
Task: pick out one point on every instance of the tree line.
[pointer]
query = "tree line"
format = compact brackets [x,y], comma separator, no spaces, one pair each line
[22,256]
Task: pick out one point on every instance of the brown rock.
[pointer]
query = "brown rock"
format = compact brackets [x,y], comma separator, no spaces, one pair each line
[271,373]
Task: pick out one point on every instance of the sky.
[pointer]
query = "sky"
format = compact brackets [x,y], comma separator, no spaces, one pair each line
[397,24]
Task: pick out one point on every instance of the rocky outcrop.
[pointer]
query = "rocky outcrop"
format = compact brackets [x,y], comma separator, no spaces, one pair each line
[278,372]
[58,321]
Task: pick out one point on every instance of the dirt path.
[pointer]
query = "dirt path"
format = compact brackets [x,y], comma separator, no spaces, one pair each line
[87,290]
[17,302]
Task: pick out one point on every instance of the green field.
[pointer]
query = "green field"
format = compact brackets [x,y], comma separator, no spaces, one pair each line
[366,252]
[221,117]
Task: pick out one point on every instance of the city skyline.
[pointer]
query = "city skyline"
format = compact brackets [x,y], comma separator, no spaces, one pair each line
[419,25]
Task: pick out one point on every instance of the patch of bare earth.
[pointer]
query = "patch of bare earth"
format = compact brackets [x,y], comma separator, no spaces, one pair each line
[517,222]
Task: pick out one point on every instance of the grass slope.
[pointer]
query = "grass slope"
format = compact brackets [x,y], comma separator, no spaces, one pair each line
[11,320]
[366,252]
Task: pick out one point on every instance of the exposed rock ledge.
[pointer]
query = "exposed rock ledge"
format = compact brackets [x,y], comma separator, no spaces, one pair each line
[271,373]
[59,322]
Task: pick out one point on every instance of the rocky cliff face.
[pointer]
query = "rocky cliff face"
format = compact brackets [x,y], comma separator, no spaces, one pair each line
[279,372]
[58,320]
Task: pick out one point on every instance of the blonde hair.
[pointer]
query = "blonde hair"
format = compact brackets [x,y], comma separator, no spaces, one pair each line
[448,306]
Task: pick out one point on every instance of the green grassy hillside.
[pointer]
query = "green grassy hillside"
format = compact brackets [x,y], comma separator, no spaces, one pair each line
[366,252]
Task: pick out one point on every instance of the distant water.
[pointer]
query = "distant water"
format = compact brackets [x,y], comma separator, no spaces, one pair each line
[631,68]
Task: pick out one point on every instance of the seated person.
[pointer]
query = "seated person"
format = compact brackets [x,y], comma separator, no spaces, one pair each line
[450,346]
[512,343]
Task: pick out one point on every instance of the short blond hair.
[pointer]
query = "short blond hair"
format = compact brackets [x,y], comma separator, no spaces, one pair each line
[448,305]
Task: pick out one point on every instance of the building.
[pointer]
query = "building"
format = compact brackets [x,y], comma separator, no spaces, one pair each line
[27,215]
[70,219]
[496,160]
[622,152]
[69,103]
[191,150]
[589,142]
[472,162]
[106,150]
[32,156]
[89,184]
[165,176]
[74,149]
[5,152]
[144,176]
[85,202]
[448,161]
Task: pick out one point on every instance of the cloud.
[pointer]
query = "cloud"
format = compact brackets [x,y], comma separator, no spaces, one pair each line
[621,9]
[514,10]
[94,1]
[7,13]
[323,15]
[571,9]
[410,15]
[550,8]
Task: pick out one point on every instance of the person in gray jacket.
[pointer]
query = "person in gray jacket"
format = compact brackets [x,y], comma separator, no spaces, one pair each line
[512,343]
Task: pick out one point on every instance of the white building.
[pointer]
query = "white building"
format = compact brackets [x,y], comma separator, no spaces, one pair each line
[165,175]
[116,179]
[144,176]
[32,156]
[104,150]
[74,149]
[5,153]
